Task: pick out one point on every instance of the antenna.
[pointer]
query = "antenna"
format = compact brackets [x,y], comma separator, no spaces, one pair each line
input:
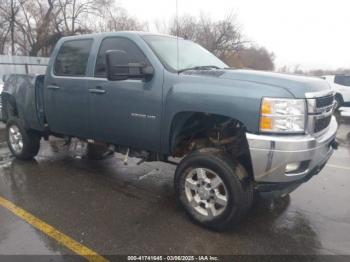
[177,34]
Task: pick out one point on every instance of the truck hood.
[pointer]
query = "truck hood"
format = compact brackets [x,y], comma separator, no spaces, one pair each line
[294,84]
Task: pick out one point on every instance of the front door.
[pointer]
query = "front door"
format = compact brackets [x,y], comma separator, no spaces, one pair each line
[66,90]
[126,112]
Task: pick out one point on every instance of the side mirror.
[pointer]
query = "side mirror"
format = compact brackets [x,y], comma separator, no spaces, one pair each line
[119,67]
[117,63]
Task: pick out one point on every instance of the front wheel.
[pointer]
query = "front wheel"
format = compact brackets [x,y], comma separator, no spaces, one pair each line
[214,190]
[339,101]
[23,144]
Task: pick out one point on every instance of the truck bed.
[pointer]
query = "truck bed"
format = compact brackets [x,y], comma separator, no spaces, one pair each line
[23,97]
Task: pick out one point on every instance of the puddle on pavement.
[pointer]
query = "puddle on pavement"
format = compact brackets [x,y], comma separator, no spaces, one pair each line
[18,237]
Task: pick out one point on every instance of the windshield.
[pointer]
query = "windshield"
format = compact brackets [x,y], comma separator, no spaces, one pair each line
[190,53]
[342,80]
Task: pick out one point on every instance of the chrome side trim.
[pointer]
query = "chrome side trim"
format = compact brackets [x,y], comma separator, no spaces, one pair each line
[312,109]
[93,78]
[311,106]
[52,87]
[323,115]
[319,94]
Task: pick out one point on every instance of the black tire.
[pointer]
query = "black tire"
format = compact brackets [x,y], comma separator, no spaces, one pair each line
[30,140]
[339,100]
[234,177]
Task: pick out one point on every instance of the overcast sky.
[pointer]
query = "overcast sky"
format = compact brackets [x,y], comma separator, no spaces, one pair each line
[309,33]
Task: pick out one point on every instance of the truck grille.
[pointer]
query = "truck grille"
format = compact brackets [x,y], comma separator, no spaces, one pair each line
[322,123]
[320,112]
[324,101]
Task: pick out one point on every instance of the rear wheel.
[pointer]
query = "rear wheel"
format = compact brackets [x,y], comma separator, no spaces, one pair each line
[23,144]
[213,189]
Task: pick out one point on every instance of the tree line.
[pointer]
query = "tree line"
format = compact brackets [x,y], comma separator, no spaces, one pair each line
[32,28]
[313,72]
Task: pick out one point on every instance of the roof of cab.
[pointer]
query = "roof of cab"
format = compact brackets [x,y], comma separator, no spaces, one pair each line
[116,33]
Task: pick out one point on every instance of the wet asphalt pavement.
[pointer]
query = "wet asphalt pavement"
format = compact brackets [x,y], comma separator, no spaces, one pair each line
[118,209]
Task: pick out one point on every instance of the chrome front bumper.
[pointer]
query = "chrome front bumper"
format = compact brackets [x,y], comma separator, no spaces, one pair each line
[271,154]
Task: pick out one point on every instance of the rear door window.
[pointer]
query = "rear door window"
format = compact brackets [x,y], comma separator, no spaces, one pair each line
[342,80]
[72,58]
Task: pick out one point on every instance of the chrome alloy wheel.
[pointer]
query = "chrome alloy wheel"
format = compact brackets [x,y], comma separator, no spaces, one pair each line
[16,139]
[206,192]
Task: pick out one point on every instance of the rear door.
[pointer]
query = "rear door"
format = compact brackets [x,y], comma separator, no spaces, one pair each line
[126,112]
[66,90]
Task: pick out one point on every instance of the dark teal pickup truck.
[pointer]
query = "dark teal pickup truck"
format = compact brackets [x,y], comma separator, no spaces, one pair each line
[157,97]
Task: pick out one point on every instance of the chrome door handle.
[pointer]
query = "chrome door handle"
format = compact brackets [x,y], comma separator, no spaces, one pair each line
[97,91]
[52,87]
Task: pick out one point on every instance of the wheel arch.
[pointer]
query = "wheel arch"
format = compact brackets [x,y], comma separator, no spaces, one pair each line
[196,124]
[339,97]
[337,94]
[9,107]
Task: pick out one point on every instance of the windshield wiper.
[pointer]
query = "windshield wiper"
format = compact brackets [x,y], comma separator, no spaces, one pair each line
[199,68]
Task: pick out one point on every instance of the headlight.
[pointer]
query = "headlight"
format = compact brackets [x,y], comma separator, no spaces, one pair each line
[282,115]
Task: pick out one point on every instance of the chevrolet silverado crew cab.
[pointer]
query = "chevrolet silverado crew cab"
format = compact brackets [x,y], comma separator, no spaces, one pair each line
[231,132]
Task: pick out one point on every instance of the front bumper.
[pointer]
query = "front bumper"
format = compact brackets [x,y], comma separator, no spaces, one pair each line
[271,154]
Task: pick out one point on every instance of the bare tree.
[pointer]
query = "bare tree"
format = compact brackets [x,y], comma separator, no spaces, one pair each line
[4,33]
[32,27]
[83,16]
[38,24]
[115,18]
[220,37]
[73,15]
[9,10]
[314,72]
[252,57]
[36,27]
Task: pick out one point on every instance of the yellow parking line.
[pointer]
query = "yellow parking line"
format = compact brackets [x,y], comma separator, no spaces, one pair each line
[341,167]
[65,240]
